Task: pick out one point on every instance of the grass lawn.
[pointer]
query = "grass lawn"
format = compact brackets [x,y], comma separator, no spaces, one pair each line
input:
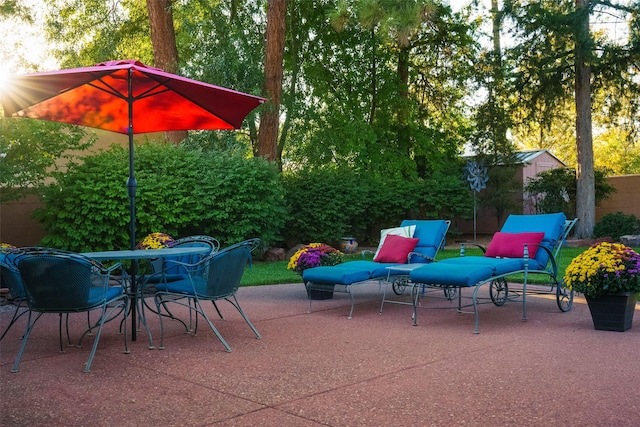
[272,273]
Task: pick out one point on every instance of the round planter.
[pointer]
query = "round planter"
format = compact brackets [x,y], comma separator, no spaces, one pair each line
[348,245]
[612,312]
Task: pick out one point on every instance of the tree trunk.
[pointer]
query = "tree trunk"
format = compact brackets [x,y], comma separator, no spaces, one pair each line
[273,72]
[403,93]
[585,189]
[165,51]
[496,20]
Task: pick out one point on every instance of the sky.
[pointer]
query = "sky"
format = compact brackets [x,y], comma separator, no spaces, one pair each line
[21,42]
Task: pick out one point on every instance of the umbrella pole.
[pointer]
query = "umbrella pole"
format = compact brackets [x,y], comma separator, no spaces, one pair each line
[132,186]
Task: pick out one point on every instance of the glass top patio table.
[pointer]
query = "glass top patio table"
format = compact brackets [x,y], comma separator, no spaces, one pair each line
[138,254]
[147,253]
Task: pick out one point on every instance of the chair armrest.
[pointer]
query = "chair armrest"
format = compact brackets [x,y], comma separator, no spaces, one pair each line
[116,266]
[102,276]
[462,248]
[552,260]
[477,245]
[160,276]
[421,255]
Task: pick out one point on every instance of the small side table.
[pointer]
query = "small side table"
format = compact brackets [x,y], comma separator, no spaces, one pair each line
[398,270]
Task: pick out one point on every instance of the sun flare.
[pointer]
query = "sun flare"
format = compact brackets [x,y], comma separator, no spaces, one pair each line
[5,77]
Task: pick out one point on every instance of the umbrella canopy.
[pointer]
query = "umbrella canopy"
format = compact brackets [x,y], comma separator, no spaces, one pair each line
[127,97]
[102,96]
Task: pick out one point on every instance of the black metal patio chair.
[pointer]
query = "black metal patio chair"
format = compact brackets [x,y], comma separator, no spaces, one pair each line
[10,279]
[64,283]
[216,277]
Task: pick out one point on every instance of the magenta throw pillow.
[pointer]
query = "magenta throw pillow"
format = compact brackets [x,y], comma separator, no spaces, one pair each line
[396,249]
[511,245]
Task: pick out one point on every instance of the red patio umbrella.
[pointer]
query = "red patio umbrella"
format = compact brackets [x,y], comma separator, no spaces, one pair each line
[127,97]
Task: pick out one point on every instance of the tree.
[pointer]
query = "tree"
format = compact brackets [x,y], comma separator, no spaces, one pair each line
[362,103]
[555,190]
[229,52]
[165,51]
[85,32]
[273,72]
[558,58]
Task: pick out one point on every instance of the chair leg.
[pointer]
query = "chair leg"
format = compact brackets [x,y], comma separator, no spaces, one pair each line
[236,304]
[25,338]
[89,321]
[60,332]
[87,366]
[103,319]
[15,317]
[217,309]
[213,328]
[108,318]
[197,307]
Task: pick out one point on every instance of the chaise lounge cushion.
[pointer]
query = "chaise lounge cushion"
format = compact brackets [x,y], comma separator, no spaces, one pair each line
[439,273]
[396,249]
[498,265]
[431,234]
[342,274]
[550,224]
[511,245]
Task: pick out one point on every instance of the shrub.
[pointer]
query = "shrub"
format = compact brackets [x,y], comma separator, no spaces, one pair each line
[555,190]
[616,225]
[180,192]
[324,205]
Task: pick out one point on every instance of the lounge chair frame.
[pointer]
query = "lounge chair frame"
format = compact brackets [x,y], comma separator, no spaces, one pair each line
[474,272]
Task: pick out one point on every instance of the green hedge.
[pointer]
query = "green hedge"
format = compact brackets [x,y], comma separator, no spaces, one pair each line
[184,191]
[180,192]
[324,205]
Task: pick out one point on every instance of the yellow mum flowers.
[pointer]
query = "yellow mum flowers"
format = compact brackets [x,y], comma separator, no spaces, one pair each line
[604,268]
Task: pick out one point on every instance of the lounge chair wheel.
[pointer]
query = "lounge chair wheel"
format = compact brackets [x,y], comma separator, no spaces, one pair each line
[399,286]
[450,293]
[499,291]
[564,297]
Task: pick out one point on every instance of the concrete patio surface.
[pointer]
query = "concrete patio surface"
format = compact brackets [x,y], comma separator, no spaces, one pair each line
[322,369]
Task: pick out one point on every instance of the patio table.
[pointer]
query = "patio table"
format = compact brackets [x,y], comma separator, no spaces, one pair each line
[136,255]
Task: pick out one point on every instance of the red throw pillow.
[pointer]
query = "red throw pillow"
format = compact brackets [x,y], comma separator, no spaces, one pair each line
[396,249]
[511,245]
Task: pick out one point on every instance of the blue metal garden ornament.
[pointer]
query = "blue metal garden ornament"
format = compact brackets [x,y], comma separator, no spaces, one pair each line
[476,174]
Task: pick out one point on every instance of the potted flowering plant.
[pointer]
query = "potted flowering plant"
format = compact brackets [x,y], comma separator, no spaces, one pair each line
[155,241]
[608,274]
[315,255]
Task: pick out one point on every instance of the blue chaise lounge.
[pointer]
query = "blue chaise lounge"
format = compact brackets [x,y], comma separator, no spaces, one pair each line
[527,244]
[422,238]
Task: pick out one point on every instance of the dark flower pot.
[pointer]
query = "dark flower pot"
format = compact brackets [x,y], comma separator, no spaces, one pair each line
[320,292]
[612,312]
